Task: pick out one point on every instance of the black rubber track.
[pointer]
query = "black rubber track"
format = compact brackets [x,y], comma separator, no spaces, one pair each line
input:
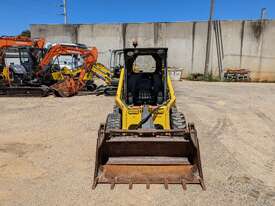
[113,121]
[177,119]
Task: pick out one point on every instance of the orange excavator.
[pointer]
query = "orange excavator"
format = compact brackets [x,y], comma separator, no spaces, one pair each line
[17,44]
[110,77]
[73,82]
[59,50]
[46,73]
[19,57]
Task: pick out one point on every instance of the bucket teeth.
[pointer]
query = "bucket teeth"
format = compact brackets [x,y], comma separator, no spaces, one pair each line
[130,185]
[202,184]
[147,185]
[166,184]
[95,183]
[183,185]
[112,185]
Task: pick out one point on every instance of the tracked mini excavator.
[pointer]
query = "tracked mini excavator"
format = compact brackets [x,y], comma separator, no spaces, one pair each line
[110,76]
[18,58]
[146,140]
[51,69]
[72,83]
[39,78]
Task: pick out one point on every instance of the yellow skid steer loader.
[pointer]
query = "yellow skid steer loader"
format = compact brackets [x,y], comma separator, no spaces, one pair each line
[146,140]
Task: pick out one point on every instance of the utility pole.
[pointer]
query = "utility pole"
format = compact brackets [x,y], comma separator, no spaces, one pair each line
[263,14]
[64,5]
[209,37]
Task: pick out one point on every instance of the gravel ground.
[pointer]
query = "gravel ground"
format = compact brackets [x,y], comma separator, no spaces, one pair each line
[47,149]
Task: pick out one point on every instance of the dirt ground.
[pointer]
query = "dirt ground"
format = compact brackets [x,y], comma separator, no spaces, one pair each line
[47,149]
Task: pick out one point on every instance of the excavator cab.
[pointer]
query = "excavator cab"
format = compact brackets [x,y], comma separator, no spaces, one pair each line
[18,74]
[19,57]
[146,140]
[20,64]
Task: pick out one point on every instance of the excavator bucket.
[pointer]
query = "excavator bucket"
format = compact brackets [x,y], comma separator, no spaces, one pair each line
[67,88]
[148,157]
[72,86]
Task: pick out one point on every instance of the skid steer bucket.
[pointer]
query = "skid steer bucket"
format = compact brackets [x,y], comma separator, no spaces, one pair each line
[148,157]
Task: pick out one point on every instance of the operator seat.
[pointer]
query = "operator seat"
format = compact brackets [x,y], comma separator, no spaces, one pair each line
[145,88]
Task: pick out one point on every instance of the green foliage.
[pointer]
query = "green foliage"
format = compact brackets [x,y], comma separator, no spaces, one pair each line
[26,33]
[201,77]
[211,78]
[195,77]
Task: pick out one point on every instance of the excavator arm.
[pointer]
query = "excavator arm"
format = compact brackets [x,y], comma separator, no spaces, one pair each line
[21,41]
[71,85]
[102,72]
[89,56]
[63,50]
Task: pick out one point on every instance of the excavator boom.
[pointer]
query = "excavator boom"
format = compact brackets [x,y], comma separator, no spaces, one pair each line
[21,41]
[71,85]
[102,72]
[64,50]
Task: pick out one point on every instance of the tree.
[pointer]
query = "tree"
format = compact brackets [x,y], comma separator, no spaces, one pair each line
[26,33]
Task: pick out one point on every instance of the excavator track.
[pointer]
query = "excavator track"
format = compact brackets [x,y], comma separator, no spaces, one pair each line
[25,91]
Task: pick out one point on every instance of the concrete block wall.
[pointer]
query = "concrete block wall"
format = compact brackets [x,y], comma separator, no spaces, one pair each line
[245,44]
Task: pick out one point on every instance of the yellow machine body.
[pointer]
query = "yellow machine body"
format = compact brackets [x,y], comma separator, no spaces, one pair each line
[146,140]
[131,115]
[5,74]
[59,75]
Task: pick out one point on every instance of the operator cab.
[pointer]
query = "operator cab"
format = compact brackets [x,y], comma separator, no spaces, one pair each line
[20,56]
[116,62]
[69,61]
[21,62]
[145,76]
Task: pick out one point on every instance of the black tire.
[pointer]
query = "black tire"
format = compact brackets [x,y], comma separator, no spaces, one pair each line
[91,86]
[113,121]
[46,91]
[177,119]
[110,91]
